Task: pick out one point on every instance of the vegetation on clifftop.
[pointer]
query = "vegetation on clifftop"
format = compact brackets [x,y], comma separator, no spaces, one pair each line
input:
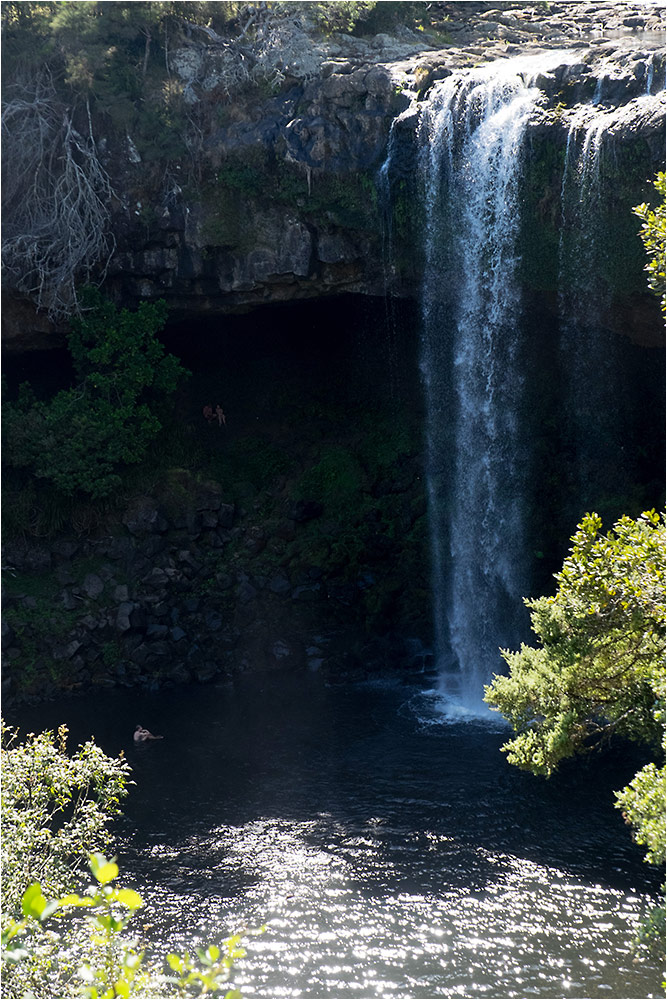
[80,78]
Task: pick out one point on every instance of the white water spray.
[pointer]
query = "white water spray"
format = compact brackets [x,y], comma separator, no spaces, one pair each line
[472,133]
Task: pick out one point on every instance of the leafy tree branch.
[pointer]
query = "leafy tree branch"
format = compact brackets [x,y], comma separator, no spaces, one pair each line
[83,438]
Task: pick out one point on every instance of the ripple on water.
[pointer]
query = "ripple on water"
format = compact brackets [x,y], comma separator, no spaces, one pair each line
[386,857]
[530,931]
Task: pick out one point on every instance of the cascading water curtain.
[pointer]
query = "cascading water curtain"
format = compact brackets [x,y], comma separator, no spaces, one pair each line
[598,405]
[588,348]
[471,136]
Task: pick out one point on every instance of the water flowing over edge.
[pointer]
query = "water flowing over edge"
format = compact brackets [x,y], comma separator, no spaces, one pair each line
[470,134]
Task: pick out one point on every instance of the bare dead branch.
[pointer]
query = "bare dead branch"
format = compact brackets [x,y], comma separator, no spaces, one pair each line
[56,199]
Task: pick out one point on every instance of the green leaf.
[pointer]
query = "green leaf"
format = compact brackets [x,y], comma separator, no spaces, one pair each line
[104,871]
[73,899]
[33,902]
[129,898]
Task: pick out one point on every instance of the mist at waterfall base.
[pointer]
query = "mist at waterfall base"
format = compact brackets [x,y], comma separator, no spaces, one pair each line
[388,855]
[479,368]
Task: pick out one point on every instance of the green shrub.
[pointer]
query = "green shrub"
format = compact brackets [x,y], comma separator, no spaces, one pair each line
[335,481]
[83,438]
[652,233]
[55,809]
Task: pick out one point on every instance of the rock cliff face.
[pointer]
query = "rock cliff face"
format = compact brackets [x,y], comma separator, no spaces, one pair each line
[283,203]
[304,540]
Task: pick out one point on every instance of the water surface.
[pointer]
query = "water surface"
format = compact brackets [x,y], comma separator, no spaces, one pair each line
[388,853]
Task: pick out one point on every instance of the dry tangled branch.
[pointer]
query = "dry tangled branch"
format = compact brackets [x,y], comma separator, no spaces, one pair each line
[56,199]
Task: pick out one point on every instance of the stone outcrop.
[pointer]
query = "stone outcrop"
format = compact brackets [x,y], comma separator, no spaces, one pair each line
[282,202]
[190,585]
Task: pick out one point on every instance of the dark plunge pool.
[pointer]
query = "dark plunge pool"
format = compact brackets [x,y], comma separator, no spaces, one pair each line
[388,852]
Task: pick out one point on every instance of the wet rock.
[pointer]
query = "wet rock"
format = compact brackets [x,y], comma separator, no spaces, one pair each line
[102,680]
[64,548]
[130,617]
[226,515]
[8,633]
[69,602]
[306,593]
[27,555]
[144,517]
[141,655]
[279,584]
[194,523]
[246,592]
[93,586]
[159,649]
[256,540]
[213,621]
[209,497]
[119,548]
[156,579]
[206,671]
[66,652]
[187,559]
[154,631]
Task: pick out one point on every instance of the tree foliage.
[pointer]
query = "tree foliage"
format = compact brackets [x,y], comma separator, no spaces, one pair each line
[652,233]
[102,960]
[57,942]
[600,666]
[56,809]
[82,438]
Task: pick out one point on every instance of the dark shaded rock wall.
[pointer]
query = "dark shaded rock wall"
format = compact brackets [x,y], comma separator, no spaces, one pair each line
[277,198]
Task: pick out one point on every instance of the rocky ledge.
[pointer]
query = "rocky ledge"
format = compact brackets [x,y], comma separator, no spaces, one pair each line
[283,202]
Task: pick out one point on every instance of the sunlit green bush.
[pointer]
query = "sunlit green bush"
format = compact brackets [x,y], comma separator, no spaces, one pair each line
[59,942]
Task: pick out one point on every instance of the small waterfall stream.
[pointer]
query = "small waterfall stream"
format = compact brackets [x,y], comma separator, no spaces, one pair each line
[471,136]
[596,399]
[587,347]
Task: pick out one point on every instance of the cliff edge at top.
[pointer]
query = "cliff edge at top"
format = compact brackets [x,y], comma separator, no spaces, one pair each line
[226,162]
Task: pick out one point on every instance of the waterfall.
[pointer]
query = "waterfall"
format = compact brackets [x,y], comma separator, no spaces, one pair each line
[471,135]
[597,403]
[475,353]
[383,187]
[587,346]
